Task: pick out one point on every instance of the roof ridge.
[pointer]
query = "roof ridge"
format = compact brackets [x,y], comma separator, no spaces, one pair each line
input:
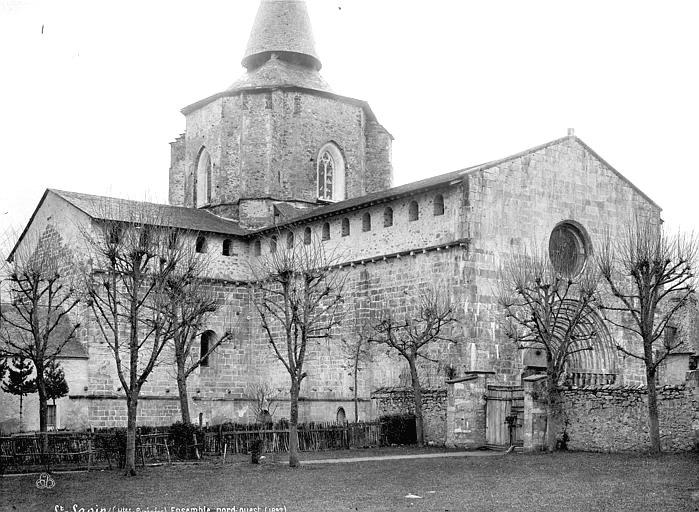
[61,192]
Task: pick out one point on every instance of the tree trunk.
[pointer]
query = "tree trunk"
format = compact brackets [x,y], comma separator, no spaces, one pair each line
[293,424]
[653,423]
[417,397]
[182,389]
[132,408]
[21,427]
[356,396]
[43,409]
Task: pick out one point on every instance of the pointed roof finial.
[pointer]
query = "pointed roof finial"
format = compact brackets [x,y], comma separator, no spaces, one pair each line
[281,27]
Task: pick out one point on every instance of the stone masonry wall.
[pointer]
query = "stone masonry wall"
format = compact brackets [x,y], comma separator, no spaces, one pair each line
[400,401]
[265,144]
[513,206]
[380,240]
[616,419]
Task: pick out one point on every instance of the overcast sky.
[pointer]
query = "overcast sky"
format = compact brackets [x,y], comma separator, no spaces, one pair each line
[91,91]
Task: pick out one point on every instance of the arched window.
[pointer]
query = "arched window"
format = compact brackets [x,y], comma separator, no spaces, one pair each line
[202,189]
[413,211]
[345,227]
[227,247]
[439,205]
[326,231]
[366,222]
[200,245]
[341,417]
[307,236]
[257,248]
[330,169]
[388,217]
[207,340]
[289,240]
[273,244]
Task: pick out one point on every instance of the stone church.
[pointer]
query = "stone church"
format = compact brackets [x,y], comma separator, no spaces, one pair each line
[279,155]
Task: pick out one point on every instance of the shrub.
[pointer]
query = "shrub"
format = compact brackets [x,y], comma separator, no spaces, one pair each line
[112,442]
[398,429]
[182,436]
[256,448]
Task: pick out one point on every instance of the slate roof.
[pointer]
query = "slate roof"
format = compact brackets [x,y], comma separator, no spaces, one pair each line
[71,350]
[110,208]
[281,26]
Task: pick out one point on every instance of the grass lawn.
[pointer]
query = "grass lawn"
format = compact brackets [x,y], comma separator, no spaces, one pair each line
[562,481]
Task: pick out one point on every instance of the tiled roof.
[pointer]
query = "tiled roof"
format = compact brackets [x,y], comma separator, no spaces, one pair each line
[71,350]
[110,208]
[281,26]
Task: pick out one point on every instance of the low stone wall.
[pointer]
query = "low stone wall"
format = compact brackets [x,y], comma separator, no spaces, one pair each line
[399,400]
[616,418]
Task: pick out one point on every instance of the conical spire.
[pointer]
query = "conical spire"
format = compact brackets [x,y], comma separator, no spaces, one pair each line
[282,27]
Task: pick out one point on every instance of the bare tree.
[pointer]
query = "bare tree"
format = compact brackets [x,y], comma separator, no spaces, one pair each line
[192,304]
[413,334]
[548,310]
[35,322]
[357,351]
[298,296]
[131,261]
[264,396]
[651,278]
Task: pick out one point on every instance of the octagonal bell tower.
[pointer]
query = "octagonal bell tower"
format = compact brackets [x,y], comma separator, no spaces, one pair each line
[278,134]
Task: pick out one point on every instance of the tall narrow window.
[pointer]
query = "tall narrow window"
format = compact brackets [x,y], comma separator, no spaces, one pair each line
[331,173]
[307,236]
[203,184]
[227,247]
[273,244]
[439,205]
[289,240]
[345,227]
[201,244]
[326,231]
[366,222]
[207,339]
[388,217]
[51,417]
[257,248]
[173,240]
[413,211]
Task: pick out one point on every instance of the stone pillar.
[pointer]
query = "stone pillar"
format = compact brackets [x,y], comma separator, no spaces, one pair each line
[673,371]
[534,427]
[692,382]
[466,410]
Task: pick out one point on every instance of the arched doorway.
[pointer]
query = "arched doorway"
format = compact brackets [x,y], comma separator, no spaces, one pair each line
[341,417]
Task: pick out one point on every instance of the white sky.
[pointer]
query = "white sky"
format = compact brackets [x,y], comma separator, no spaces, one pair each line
[91,104]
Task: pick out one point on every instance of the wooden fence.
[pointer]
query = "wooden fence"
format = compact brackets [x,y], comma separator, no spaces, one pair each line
[68,450]
[313,437]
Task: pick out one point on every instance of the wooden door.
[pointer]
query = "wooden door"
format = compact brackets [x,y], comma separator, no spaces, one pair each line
[504,414]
